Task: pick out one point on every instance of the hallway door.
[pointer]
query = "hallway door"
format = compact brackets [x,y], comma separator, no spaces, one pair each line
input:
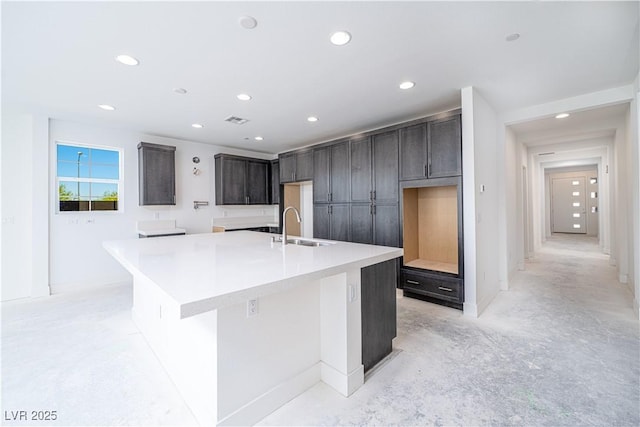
[568,205]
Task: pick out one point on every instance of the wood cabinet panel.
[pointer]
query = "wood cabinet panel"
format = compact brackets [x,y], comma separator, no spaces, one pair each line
[321,176]
[385,167]
[386,225]
[361,162]
[241,180]
[413,152]
[378,311]
[362,223]
[275,182]
[444,148]
[340,172]
[257,182]
[156,174]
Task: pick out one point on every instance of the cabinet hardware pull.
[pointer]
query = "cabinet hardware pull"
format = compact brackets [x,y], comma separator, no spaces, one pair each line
[425,170]
[374,209]
[370,195]
[328,197]
[445,289]
[331,197]
[374,195]
[413,282]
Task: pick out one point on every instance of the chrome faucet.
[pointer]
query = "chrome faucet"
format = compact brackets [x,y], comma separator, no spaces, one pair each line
[284,222]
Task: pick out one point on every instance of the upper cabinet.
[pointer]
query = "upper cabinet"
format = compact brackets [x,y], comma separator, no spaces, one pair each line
[296,166]
[156,174]
[275,182]
[444,147]
[331,173]
[241,180]
[431,150]
[374,168]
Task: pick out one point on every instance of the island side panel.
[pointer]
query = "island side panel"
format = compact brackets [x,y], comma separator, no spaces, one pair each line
[267,359]
[187,348]
[341,351]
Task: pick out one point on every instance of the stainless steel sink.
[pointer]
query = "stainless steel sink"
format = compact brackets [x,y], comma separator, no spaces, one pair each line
[301,242]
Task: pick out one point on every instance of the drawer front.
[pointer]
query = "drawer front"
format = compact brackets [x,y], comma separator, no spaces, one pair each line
[433,286]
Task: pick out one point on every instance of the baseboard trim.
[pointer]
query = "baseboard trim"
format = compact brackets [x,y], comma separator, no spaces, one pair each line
[62,288]
[271,400]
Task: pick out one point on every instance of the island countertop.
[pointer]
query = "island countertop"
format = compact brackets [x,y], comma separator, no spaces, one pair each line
[203,272]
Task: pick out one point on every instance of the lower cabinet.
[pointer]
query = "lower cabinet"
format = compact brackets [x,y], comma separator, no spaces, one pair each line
[432,286]
[378,311]
[375,224]
[331,221]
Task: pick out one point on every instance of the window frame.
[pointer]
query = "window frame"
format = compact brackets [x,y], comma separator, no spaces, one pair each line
[119,182]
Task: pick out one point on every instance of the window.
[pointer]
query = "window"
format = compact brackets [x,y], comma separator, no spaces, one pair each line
[88,178]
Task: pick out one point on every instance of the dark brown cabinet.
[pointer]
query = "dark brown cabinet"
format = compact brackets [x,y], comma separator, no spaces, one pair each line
[156,174]
[374,179]
[378,311]
[444,147]
[241,180]
[375,224]
[331,173]
[275,182]
[296,166]
[413,152]
[432,149]
[331,221]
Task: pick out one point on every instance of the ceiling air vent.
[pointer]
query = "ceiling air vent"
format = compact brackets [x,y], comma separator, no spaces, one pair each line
[236,120]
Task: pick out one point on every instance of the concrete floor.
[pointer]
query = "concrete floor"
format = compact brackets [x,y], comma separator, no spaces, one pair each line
[561,347]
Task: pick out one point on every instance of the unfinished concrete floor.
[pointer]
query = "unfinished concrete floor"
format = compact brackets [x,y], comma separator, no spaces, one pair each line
[561,347]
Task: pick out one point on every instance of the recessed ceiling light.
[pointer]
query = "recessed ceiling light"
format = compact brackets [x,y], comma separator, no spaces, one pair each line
[512,37]
[197,126]
[127,60]
[407,85]
[244,97]
[180,90]
[312,119]
[247,22]
[258,138]
[107,107]
[562,116]
[340,38]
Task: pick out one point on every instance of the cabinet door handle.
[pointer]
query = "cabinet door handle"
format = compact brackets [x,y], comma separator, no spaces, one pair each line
[445,289]
[412,282]
[330,209]
[374,194]
[425,170]
[370,195]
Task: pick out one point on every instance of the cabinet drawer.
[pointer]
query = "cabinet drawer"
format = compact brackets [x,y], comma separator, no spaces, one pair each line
[433,286]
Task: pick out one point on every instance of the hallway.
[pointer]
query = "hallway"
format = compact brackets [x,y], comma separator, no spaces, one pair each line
[560,348]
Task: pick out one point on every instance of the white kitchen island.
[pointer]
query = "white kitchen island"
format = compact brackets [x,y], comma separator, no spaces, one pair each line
[233,366]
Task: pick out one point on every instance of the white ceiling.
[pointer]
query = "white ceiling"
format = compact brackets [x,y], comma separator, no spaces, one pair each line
[58,59]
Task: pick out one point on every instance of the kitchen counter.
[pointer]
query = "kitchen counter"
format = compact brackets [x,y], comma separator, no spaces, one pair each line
[228,224]
[203,272]
[241,324]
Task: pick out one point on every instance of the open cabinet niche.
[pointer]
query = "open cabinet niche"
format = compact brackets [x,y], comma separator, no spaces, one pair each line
[430,231]
[432,266]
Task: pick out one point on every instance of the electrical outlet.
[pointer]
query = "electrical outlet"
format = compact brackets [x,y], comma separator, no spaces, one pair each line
[252,307]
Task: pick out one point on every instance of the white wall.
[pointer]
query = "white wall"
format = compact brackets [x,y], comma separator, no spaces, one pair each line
[633,142]
[24,207]
[481,208]
[17,137]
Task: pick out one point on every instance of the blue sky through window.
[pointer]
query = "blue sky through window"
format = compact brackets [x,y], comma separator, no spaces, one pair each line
[84,162]
[78,167]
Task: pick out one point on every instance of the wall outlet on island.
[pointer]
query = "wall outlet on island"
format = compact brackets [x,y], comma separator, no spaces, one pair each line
[252,307]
